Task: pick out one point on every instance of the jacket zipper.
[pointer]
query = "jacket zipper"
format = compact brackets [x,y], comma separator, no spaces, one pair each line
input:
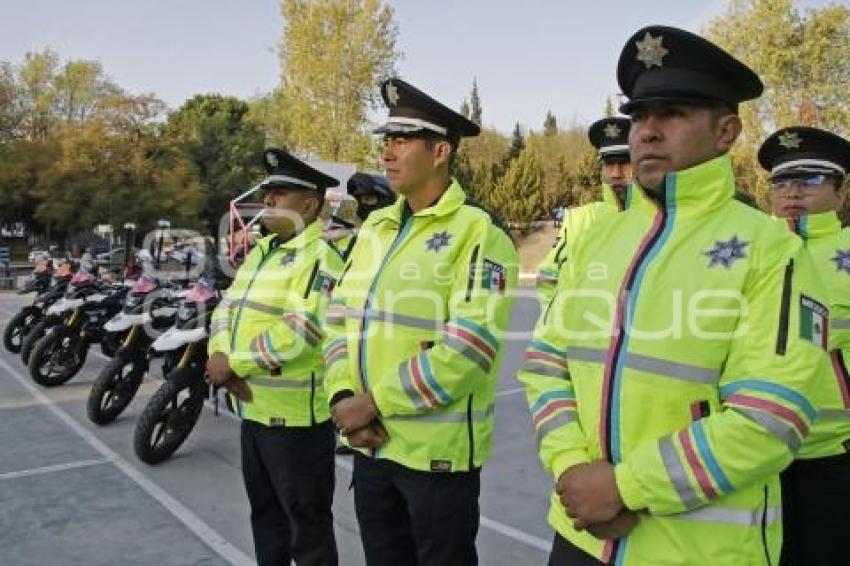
[312,398]
[784,310]
[471,433]
[312,279]
[764,528]
[472,273]
[263,261]
[361,346]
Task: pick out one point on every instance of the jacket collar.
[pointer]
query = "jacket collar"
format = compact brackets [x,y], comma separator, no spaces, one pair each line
[452,199]
[700,189]
[812,227]
[307,236]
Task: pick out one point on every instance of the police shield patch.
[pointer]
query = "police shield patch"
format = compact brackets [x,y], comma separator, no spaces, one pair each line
[495,277]
[814,321]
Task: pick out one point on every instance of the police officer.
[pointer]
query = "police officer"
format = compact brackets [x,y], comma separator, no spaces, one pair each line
[371,192]
[668,394]
[265,348]
[415,333]
[807,170]
[610,136]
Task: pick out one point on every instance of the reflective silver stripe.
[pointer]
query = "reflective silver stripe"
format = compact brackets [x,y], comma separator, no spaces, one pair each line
[437,417]
[586,355]
[258,358]
[261,307]
[395,318]
[561,419]
[730,516]
[778,427]
[336,318]
[301,328]
[649,364]
[281,383]
[540,368]
[833,414]
[407,384]
[840,323]
[677,474]
[468,351]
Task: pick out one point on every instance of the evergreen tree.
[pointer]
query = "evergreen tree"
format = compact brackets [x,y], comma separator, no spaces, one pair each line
[475,101]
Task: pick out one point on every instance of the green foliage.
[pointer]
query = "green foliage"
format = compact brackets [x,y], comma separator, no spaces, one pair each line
[550,124]
[333,55]
[517,142]
[475,101]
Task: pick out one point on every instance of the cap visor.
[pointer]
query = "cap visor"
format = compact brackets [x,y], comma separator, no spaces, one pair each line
[636,103]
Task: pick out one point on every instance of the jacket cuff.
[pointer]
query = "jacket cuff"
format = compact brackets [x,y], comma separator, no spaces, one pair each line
[339,396]
[631,492]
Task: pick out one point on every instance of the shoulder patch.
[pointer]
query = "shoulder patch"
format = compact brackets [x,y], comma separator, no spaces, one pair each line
[494,277]
[324,283]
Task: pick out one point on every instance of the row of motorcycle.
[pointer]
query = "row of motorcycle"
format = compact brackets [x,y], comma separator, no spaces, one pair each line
[133,323]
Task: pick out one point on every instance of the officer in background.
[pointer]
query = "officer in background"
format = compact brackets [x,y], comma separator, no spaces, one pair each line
[371,192]
[668,394]
[265,348]
[414,344]
[610,136]
[807,170]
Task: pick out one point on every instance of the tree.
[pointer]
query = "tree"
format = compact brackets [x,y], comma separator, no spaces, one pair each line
[475,101]
[517,142]
[37,93]
[518,195]
[608,112]
[333,55]
[464,109]
[224,146]
[804,61]
[550,124]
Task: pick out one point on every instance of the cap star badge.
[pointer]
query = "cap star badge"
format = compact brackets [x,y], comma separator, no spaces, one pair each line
[392,94]
[650,51]
[612,131]
[842,260]
[726,253]
[790,140]
[272,159]
[438,241]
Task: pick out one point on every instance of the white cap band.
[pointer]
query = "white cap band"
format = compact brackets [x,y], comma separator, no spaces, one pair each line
[418,123]
[289,180]
[807,163]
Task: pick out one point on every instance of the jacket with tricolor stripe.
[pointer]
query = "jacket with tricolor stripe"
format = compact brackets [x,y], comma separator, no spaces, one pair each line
[269,326]
[418,319]
[829,246]
[576,220]
[675,349]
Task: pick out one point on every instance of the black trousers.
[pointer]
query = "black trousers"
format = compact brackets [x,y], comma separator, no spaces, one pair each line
[816,511]
[289,477]
[413,518]
[565,553]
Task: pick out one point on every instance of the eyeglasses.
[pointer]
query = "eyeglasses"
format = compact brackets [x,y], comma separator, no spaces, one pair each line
[807,183]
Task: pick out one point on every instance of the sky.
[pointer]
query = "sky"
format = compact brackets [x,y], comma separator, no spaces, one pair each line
[528,56]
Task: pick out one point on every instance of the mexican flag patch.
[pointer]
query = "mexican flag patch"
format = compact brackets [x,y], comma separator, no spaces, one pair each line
[814,321]
[495,277]
[324,283]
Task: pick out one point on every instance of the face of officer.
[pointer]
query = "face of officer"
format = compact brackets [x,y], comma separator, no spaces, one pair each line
[288,211]
[367,203]
[617,174]
[412,162]
[667,137]
[793,196]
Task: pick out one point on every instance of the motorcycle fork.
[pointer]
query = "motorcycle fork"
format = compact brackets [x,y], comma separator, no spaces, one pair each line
[187,356]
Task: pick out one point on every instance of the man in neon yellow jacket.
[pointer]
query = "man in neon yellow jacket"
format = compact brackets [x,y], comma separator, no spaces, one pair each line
[807,169]
[266,348]
[414,344]
[668,392]
[610,136]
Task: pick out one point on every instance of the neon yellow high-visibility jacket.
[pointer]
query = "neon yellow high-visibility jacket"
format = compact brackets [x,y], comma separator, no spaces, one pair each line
[829,247]
[418,319]
[576,220]
[681,346]
[269,326]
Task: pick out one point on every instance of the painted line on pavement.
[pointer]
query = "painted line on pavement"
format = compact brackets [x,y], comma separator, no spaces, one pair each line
[194,523]
[52,469]
[509,391]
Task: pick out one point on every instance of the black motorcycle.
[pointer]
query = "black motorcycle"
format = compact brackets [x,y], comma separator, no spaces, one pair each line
[48,290]
[149,309]
[88,304]
[173,411]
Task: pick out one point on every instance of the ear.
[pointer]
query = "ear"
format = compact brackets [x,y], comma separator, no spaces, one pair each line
[729,127]
[442,152]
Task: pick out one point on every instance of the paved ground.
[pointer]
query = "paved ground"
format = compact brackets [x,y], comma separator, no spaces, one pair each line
[74,493]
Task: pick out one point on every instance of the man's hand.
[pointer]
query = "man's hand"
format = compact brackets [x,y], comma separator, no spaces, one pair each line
[353,413]
[616,528]
[372,436]
[589,493]
[218,369]
[239,388]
